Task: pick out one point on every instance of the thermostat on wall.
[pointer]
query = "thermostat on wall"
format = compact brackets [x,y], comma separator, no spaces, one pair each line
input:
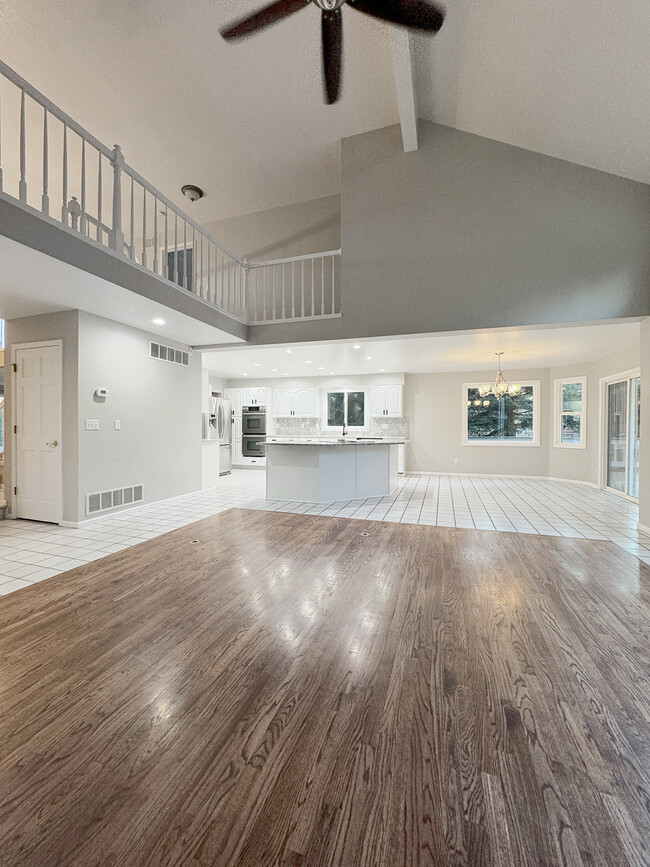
[101,392]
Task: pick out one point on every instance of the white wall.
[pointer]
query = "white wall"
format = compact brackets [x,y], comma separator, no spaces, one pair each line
[159,407]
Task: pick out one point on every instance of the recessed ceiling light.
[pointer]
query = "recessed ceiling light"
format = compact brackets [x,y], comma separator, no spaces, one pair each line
[158,321]
[274,370]
[381,369]
[356,346]
[309,362]
[288,351]
[331,373]
[285,374]
[368,357]
[256,364]
[244,374]
[321,368]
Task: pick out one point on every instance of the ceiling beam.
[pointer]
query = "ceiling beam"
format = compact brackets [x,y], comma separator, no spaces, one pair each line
[404,72]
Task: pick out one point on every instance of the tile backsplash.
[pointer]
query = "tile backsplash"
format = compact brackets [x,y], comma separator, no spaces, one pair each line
[311,427]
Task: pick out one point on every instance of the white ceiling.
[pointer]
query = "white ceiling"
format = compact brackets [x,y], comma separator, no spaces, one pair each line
[246,121]
[523,348]
[32,283]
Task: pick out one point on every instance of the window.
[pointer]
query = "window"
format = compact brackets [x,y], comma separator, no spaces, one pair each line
[509,421]
[346,407]
[570,423]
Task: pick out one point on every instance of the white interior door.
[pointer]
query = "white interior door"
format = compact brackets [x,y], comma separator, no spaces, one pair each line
[38,432]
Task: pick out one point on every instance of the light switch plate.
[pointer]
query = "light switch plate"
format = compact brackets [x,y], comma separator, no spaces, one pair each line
[118,424]
[92,424]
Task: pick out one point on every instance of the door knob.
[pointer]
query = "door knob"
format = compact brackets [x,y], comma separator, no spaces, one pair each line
[53,444]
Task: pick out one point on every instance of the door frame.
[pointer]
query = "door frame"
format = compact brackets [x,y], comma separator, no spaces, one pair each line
[605,381]
[14,405]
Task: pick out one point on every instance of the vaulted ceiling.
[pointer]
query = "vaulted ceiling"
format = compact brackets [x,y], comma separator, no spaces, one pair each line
[247,123]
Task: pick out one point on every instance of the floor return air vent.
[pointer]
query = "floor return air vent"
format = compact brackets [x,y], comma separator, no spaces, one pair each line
[105,500]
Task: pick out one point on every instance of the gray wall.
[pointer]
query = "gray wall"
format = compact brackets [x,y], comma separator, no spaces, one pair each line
[54,326]
[469,233]
[644,465]
[293,230]
[159,407]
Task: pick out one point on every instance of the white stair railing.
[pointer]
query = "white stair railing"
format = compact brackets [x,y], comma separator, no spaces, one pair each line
[54,167]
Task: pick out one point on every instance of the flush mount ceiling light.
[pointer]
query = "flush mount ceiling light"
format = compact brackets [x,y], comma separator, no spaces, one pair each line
[500,388]
[415,14]
[193,193]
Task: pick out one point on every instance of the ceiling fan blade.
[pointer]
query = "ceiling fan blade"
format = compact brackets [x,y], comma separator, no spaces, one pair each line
[332,29]
[268,15]
[419,14]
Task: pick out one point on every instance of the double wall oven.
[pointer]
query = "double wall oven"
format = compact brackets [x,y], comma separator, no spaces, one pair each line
[253,427]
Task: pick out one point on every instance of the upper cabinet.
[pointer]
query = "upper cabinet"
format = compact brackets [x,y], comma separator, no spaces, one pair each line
[250,396]
[295,403]
[386,401]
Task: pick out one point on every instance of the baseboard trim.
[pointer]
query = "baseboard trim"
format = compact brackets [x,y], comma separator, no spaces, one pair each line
[409,472]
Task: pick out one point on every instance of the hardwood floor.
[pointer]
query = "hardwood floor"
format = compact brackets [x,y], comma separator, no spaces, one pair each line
[275,689]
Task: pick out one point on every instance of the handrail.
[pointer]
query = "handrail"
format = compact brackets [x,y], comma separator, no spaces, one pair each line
[53,109]
[305,258]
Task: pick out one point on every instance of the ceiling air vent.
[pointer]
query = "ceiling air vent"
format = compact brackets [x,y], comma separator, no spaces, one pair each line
[105,500]
[168,353]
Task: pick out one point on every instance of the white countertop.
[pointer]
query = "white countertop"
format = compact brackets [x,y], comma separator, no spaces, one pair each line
[333,441]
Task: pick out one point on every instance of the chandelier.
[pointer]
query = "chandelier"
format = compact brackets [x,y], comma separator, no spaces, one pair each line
[500,388]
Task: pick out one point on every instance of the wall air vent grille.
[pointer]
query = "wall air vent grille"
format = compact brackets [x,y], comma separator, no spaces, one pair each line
[105,500]
[168,353]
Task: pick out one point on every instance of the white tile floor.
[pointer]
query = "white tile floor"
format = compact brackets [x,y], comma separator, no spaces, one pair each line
[31,552]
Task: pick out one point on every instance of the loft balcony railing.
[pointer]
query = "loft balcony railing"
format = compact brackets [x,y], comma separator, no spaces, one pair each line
[53,167]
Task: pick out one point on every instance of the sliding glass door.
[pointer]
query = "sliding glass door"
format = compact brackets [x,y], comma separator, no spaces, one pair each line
[622,423]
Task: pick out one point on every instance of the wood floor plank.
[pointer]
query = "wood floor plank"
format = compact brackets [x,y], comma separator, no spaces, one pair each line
[266,688]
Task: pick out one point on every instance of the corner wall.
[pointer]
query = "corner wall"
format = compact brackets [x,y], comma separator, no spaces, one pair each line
[158,405]
[159,408]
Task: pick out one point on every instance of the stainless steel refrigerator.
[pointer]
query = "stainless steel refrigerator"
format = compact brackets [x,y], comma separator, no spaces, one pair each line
[223,423]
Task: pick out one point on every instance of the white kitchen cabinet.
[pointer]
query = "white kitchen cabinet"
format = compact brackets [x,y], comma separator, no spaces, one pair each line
[305,402]
[260,396]
[295,403]
[386,401]
[248,396]
[282,402]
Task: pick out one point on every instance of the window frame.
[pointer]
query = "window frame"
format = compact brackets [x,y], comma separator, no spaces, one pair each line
[558,413]
[346,390]
[512,441]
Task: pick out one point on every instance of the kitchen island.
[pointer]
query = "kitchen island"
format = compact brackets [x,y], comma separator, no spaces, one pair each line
[330,470]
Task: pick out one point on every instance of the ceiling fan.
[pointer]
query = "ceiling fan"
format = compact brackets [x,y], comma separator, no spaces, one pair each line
[416,14]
